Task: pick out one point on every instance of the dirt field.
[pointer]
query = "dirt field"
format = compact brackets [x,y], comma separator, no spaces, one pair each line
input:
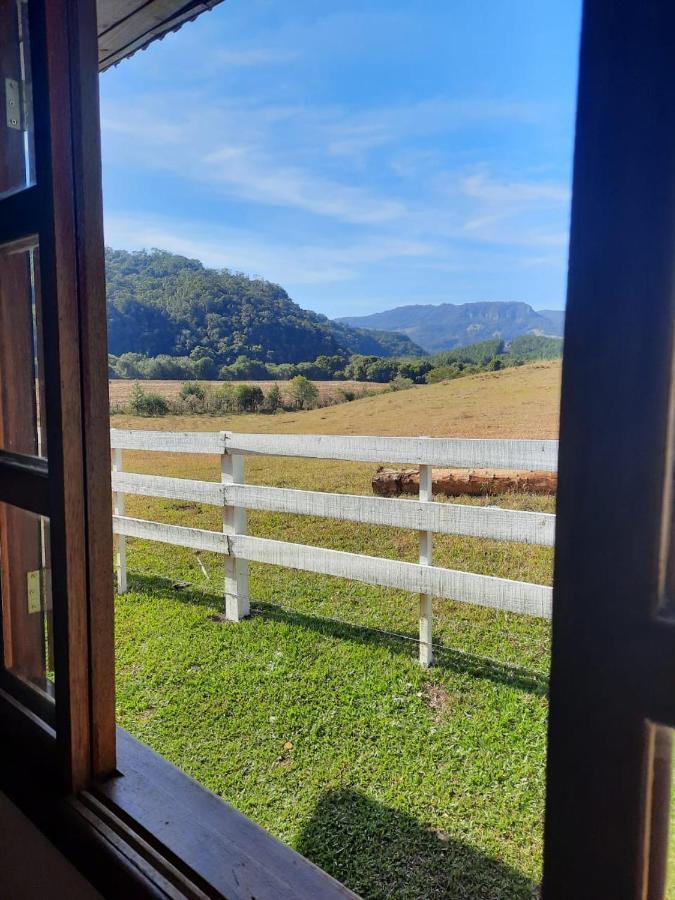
[121,388]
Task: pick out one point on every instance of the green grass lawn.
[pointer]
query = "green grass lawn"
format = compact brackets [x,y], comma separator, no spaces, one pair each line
[399,782]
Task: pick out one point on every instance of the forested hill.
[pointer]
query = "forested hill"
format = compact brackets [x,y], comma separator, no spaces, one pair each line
[161,303]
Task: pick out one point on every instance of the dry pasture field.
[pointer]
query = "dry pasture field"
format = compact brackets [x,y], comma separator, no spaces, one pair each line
[120,388]
[521,402]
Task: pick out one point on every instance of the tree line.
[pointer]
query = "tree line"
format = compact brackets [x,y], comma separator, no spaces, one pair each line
[487,355]
[196,398]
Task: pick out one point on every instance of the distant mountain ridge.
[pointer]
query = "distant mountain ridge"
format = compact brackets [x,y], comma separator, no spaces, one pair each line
[160,303]
[448,325]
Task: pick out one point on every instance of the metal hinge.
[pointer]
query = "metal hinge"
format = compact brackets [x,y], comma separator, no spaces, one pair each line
[13,103]
[39,590]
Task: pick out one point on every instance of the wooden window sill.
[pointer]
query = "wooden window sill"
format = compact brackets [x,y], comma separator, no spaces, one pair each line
[194,839]
[151,831]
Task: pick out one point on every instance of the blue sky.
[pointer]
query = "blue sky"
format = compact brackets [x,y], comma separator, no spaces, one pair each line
[365,155]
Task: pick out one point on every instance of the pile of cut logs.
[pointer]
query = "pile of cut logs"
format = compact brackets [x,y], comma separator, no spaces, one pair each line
[389,482]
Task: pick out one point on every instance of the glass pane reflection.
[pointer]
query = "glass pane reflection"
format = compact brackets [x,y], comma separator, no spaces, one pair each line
[17,164]
[25,588]
[22,426]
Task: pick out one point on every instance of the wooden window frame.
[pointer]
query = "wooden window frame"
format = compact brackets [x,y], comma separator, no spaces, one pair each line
[63,211]
[613,657]
[135,825]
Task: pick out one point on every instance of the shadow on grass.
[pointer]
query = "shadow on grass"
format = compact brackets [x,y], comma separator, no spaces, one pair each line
[380,852]
[449,658]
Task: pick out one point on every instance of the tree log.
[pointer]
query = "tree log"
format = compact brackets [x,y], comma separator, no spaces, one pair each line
[455,482]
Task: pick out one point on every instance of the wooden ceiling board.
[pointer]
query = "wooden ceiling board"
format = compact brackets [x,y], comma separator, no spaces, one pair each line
[109,12]
[126,26]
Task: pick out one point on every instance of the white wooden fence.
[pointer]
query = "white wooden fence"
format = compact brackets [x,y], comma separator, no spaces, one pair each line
[423,515]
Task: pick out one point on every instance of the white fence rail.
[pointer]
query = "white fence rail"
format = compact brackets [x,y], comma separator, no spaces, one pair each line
[423,515]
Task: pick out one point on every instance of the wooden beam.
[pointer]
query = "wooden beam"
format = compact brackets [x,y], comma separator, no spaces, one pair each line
[94,388]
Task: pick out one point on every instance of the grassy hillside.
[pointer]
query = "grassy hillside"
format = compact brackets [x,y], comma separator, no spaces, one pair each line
[521,402]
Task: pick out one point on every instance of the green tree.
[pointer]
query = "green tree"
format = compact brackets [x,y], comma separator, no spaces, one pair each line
[400,383]
[415,369]
[222,401]
[146,404]
[192,389]
[204,368]
[273,398]
[302,392]
[382,370]
[357,367]
[442,373]
[249,397]
[127,365]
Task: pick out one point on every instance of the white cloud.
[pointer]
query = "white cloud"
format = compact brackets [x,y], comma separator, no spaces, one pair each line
[314,159]
[509,212]
[250,166]
[143,129]
[352,134]
[307,160]
[240,250]
[255,176]
[511,195]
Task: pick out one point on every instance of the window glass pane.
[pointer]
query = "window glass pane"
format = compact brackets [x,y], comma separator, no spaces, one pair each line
[17,165]
[21,365]
[25,586]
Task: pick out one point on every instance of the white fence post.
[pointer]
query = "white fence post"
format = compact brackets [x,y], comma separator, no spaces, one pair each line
[237,604]
[120,540]
[426,646]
